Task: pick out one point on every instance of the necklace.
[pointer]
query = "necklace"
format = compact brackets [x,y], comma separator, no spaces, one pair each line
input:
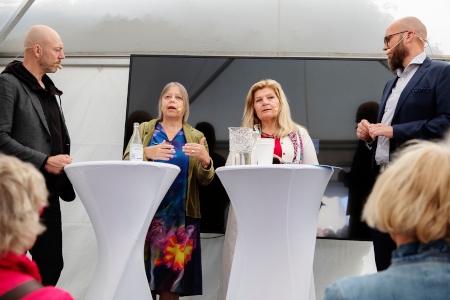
[270,136]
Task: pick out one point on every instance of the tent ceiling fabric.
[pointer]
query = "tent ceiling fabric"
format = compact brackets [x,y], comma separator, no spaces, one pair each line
[308,28]
[15,18]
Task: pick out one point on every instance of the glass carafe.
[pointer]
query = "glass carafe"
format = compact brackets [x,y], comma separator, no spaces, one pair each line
[242,140]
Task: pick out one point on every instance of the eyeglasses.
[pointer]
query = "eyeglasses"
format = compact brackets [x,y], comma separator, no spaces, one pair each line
[387,38]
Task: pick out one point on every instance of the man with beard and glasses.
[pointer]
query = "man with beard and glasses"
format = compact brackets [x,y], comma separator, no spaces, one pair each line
[415,105]
[32,128]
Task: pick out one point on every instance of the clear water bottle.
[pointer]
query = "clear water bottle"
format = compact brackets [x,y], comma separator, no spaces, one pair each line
[136,149]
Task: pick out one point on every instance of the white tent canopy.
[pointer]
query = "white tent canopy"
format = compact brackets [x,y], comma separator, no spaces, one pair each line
[307,28]
[100,35]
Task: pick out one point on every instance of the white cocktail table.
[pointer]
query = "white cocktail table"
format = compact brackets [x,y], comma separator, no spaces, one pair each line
[121,198]
[277,209]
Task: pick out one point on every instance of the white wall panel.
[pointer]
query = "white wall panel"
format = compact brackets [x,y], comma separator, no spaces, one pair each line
[94,102]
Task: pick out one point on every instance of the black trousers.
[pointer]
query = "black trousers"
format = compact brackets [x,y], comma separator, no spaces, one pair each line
[383,246]
[47,251]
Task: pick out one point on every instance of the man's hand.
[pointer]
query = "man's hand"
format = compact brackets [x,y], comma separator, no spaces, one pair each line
[55,164]
[362,131]
[376,130]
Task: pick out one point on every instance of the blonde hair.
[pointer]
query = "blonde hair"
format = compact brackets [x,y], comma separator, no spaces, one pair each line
[412,196]
[284,121]
[23,194]
[184,95]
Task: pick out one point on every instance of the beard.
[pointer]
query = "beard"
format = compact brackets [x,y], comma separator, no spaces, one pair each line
[398,55]
[47,64]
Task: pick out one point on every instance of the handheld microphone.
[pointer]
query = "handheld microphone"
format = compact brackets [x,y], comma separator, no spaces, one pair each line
[388,51]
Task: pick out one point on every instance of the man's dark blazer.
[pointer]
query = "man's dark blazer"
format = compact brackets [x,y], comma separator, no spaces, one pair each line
[423,109]
[24,131]
[422,112]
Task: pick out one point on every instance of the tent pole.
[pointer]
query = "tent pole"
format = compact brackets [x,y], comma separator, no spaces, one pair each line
[15,18]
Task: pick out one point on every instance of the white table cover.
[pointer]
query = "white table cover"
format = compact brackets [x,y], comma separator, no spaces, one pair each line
[277,208]
[121,198]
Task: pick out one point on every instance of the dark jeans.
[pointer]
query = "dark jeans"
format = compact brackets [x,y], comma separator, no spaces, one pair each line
[47,251]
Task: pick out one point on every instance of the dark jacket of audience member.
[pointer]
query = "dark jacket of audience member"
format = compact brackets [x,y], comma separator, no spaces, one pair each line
[214,199]
[360,178]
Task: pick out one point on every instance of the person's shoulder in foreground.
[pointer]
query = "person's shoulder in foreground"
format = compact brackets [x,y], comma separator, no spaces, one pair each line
[418,271]
[47,293]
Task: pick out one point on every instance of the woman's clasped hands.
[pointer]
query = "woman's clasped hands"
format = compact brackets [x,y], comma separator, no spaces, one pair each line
[166,151]
[163,151]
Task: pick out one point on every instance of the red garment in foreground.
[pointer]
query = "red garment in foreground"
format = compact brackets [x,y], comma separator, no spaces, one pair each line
[16,269]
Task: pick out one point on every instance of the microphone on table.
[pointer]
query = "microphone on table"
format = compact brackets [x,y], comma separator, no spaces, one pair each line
[276,161]
[388,51]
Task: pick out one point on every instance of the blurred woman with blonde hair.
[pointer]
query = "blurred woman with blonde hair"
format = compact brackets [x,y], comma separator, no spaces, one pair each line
[23,196]
[411,202]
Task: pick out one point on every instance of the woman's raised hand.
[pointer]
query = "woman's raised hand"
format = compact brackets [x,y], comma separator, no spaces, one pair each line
[198,151]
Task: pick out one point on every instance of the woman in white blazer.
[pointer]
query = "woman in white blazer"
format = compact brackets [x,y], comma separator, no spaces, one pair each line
[267,111]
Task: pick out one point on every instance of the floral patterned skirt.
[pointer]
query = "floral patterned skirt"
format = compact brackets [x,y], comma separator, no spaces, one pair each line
[172,256]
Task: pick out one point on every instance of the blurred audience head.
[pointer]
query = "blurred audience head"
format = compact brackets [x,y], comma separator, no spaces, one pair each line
[137,116]
[210,134]
[411,197]
[23,194]
[368,111]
